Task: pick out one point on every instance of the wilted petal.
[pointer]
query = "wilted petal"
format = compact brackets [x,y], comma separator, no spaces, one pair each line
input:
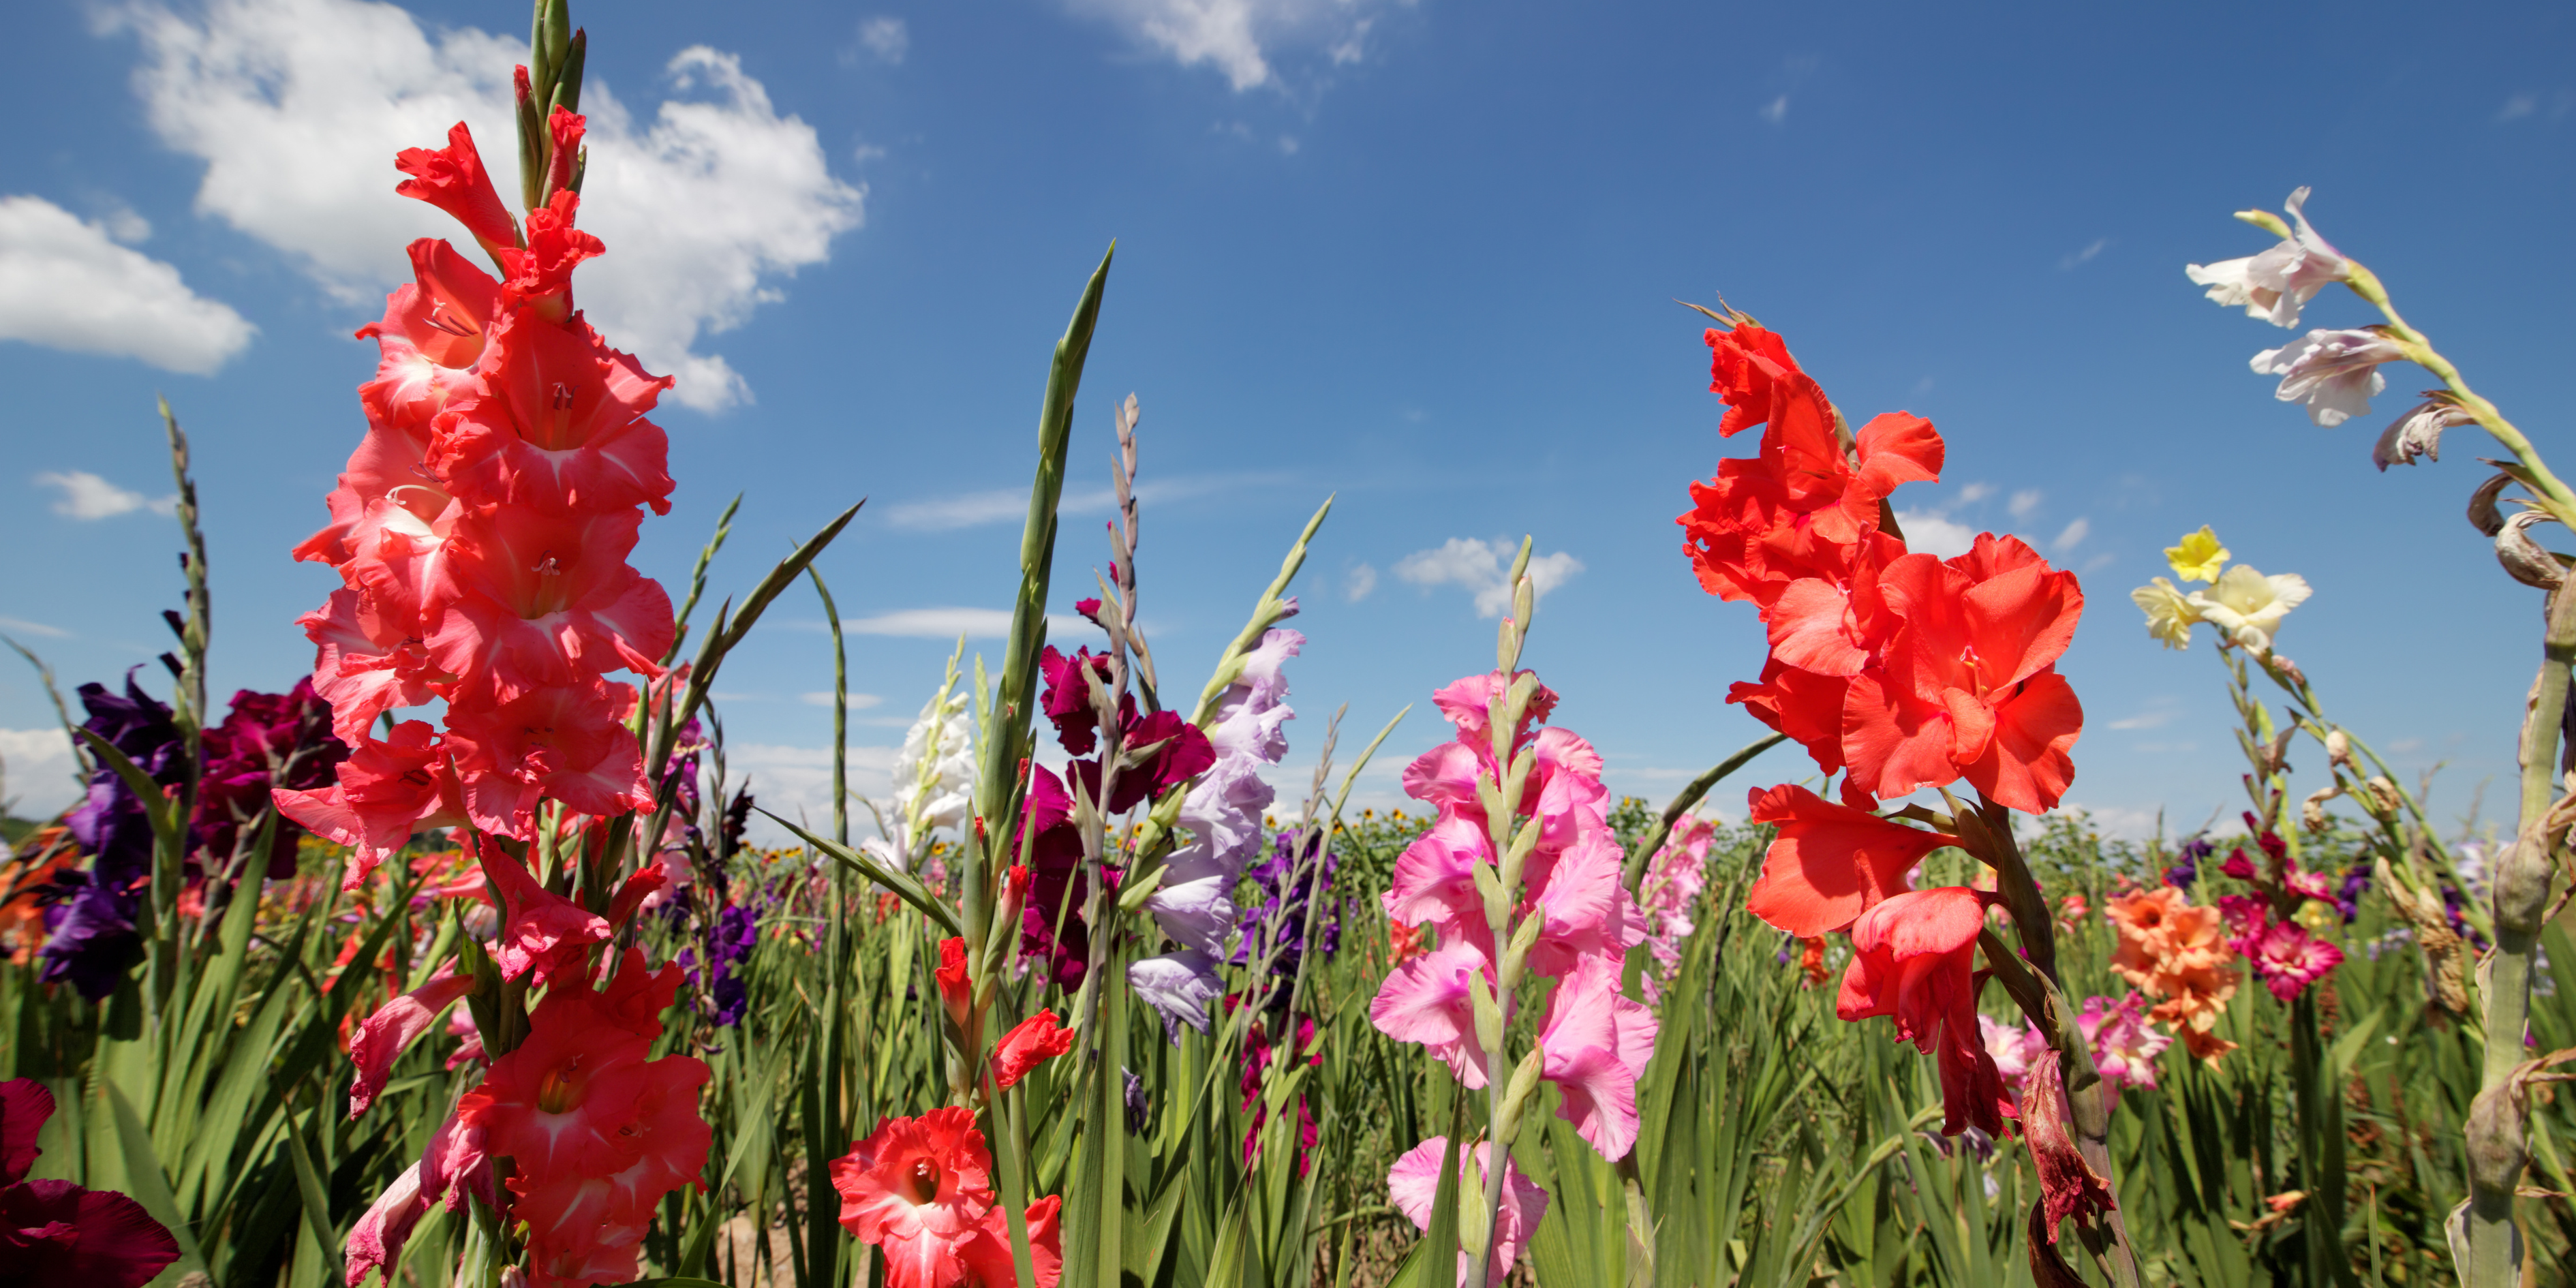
[2418,433]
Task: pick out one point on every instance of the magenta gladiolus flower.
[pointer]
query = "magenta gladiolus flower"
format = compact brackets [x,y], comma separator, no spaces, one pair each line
[2289,959]
[2124,1045]
[55,1232]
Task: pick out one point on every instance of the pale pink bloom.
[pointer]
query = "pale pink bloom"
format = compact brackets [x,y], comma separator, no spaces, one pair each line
[1425,1001]
[2333,372]
[384,1036]
[1594,1046]
[2014,1048]
[2124,1045]
[2289,959]
[2276,284]
[1675,878]
[1414,1186]
[1586,909]
[460,1024]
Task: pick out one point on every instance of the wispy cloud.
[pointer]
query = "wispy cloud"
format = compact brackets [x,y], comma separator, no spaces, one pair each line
[2084,256]
[87,496]
[1359,583]
[975,509]
[1777,110]
[2071,536]
[858,701]
[1480,566]
[2025,503]
[2159,712]
[25,627]
[884,38]
[2518,107]
[949,623]
[1247,40]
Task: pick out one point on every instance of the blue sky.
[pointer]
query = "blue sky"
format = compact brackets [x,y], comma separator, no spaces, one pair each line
[1420,255]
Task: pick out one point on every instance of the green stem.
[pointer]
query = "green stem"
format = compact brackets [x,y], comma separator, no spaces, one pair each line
[2420,351]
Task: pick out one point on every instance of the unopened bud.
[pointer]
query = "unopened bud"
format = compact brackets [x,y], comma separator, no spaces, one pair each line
[2290,671]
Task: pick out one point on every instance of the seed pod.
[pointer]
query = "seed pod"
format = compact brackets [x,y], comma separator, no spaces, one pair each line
[2384,796]
[2338,748]
[2312,811]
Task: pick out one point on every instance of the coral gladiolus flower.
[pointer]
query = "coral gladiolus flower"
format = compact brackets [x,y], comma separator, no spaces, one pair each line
[387,791]
[543,933]
[397,1024]
[1030,1043]
[918,1188]
[1830,862]
[1913,960]
[452,178]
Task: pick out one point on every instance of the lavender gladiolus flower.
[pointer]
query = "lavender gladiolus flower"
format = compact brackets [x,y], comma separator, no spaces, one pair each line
[1195,902]
[2276,284]
[2333,372]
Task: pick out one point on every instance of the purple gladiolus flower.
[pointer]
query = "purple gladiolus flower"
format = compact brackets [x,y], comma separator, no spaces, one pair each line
[89,922]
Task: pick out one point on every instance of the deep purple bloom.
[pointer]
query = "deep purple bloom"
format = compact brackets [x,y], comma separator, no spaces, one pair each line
[2182,874]
[2356,881]
[55,1232]
[89,922]
[1057,884]
[1279,921]
[268,740]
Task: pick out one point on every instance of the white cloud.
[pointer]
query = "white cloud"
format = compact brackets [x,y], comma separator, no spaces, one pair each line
[1480,567]
[1360,583]
[36,770]
[858,701]
[796,783]
[2025,503]
[2159,713]
[2071,536]
[1933,534]
[87,496]
[298,106]
[1777,110]
[66,284]
[1244,38]
[2518,107]
[2084,256]
[887,38]
[1971,493]
[949,623]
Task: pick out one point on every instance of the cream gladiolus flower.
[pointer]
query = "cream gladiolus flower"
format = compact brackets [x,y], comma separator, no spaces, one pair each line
[2169,613]
[2249,606]
[2198,558]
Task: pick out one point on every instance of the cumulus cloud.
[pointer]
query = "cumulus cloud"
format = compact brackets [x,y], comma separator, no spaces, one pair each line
[796,783]
[66,284]
[87,496]
[298,106]
[36,772]
[1480,567]
[1245,38]
[1935,534]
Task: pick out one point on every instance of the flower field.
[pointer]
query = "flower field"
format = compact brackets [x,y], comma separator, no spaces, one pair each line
[468,959]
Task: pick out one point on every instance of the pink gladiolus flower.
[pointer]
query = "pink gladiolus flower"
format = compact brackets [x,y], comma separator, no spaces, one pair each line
[543,932]
[397,1024]
[1425,1001]
[1594,1047]
[2278,283]
[1414,1185]
[2124,1045]
[2013,1048]
[2289,959]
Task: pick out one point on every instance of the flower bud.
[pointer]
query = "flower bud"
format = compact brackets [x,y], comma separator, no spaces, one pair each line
[2522,878]
[2419,431]
[2498,1142]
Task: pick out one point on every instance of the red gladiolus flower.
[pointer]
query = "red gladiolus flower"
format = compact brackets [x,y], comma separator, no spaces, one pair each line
[55,1232]
[1030,1043]
[543,934]
[988,1253]
[387,791]
[1969,684]
[1745,363]
[385,1035]
[918,1188]
[2068,1185]
[1830,863]
[1914,961]
[955,992]
[452,178]
[540,277]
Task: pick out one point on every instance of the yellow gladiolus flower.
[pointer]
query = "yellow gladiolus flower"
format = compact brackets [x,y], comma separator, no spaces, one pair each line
[2199,557]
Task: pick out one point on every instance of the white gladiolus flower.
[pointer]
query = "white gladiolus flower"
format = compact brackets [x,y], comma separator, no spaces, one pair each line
[2276,284]
[2169,612]
[2249,606]
[2333,372]
[934,776]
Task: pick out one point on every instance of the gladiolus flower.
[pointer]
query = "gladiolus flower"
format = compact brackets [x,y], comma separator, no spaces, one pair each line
[2278,283]
[2333,372]
[1829,862]
[2124,1046]
[387,791]
[1594,1046]
[1745,363]
[2289,959]
[55,1232]
[397,1024]
[1913,960]
[956,993]
[1030,1043]
[1426,1001]
[1413,1185]
[2198,557]
[2068,1185]
[919,1189]
[543,933]
[2249,606]
[2170,614]
[452,178]
[2418,432]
